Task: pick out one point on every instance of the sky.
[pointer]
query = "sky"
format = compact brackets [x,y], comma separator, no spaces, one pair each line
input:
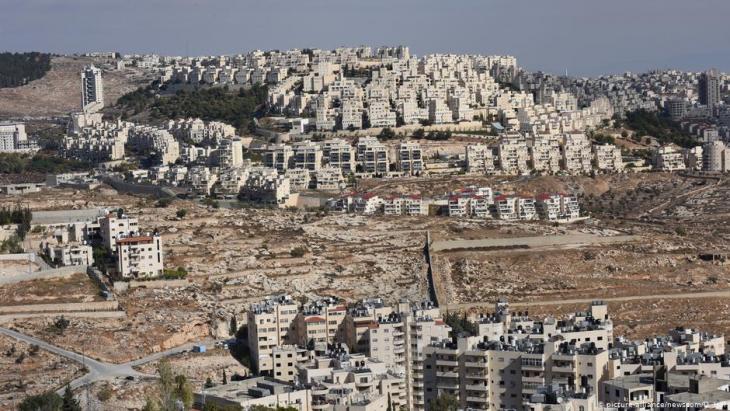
[584,37]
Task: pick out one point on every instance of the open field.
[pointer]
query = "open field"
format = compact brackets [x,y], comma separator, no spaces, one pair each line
[27,371]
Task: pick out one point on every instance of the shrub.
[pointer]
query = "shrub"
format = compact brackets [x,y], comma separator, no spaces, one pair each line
[298,252]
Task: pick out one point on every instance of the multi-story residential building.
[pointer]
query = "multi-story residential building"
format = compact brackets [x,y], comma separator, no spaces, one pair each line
[479,159]
[256,392]
[329,178]
[439,112]
[278,157]
[557,207]
[307,155]
[155,141]
[545,154]
[340,379]
[576,153]
[14,139]
[269,326]
[513,155]
[380,114]
[709,89]
[265,185]
[715,157]
[512,357]
[70,254]
[607,158]
[340,154]
[409,205]
[410,158]
[668,158]
[373,156]
[139,256]
[114,226]
[92,89]
[319,321]
[201,179]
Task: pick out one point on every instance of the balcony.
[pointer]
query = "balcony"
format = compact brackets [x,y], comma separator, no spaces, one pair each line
[479,387]
[479,399]
[563,370]
[447,363]
[447,374]
[475,364]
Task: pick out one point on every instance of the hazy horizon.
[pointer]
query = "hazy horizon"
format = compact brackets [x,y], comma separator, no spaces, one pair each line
[586,37]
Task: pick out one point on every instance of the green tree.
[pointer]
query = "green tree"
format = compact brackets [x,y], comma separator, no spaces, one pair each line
[181,213]
[386,134]
[234,325]
[69,402]
[49,401]
[184,391]
[444,402]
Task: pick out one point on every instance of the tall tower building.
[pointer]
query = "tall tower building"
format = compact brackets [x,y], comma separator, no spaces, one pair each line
[709,89]
[92,90]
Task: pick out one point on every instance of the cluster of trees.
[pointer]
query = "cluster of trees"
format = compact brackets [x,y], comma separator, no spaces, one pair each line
[51,401]
[433,135]
[175,274]
[660,126]
[18,215]
[17,69]
[15,163]
[460,324]
[173,391]
[211,104]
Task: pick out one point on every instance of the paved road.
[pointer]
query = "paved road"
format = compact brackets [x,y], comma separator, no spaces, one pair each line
[97,370]
[706,294]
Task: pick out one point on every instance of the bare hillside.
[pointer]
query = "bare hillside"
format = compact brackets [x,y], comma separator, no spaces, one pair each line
[59,91]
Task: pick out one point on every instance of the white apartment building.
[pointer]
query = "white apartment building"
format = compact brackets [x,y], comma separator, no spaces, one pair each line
[513,156]
[410,158]
[545,154]
[70,254]
[139,256]
[307,155]
[410,205]
[479,159]
[715,157]
[380,114]
[669,158]
[92,89]
[329,178]
[256,392]
[319,321]
[201,179]
[607,158]
[14,139]
[114,226]
[373,156]
[576,153]
[265,185]
[155,141]
[439,112]
[269,325]
[340,154]
[278,157]
[557,207]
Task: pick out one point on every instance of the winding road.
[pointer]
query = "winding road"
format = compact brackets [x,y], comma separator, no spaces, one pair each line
[97,370]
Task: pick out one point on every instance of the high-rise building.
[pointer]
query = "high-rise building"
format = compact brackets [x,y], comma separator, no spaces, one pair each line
[709,89]
[92,90]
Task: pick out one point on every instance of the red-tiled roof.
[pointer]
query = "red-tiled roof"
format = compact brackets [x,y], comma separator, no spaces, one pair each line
[314,320]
